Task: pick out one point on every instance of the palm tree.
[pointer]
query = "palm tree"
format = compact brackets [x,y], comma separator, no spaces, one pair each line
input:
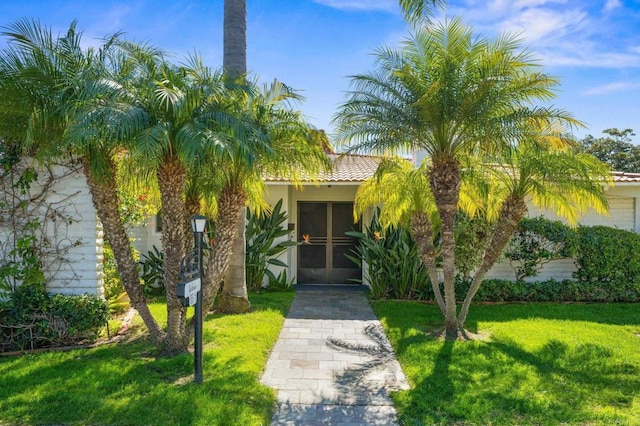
[402,192]
[555,178]
[449,94]
[50,83]
[416,11]
[234,298]
[278,142]
[171,118]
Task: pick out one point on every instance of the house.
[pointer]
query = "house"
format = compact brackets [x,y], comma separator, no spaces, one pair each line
[322,211]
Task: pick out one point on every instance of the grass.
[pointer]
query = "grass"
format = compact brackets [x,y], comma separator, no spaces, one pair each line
[125,384]
[543,364]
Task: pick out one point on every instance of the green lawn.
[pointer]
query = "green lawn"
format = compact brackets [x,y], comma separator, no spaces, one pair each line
[542,364]
[125,384]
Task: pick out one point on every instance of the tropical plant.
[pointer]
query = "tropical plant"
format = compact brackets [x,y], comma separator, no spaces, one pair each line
[262,249]
[53,88]
[555,177]
[452,95]
[393,268]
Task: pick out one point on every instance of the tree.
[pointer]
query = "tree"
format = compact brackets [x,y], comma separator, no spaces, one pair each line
[416,11]
[277,142]
[555,178]
[452,95]
[234,297]
[48,82]
[616,149]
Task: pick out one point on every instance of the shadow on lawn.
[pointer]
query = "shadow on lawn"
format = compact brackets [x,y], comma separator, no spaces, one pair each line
[124,385]
[499,382]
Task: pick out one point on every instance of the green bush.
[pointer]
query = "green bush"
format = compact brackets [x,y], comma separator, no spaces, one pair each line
[554,291]
[394,268]
[607,255]
[31,318]
[538,241]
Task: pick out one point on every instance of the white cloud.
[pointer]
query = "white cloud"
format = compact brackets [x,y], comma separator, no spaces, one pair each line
[612,88]
[540,25]
[612,5]
[379,5]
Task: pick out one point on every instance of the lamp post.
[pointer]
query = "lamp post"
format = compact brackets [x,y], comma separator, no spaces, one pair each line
[198,223]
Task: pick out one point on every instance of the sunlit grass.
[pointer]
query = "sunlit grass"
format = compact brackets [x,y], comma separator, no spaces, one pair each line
[125,384]
[542,364]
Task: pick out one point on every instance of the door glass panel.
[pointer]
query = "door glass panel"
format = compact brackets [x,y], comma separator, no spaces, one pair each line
[340,260]
[342,219]
[313,220]
[313,256]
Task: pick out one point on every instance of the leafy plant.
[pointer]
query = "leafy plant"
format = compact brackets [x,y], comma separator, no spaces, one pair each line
[538,241]
[393,267]
[31,318]
[607,255]
[472,236]
[262,249]
[152,271]
[281,282]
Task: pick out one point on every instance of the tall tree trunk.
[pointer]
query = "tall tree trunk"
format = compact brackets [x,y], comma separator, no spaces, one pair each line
[234,298]
[105,199]
[512,211]
[234,42]
[444,179]
[171,180]
[422,232]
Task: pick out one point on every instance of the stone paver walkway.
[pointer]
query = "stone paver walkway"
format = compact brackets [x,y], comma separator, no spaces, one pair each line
[332,364]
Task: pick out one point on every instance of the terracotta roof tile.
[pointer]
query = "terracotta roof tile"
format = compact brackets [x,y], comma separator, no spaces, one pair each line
[625,177]
[346,168]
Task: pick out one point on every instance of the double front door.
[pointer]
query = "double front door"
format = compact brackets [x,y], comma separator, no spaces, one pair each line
[321,257]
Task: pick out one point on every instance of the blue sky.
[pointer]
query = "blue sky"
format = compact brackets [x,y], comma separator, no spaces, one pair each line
[593,47]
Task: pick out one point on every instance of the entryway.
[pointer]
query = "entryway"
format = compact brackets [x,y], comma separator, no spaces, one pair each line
[322,261]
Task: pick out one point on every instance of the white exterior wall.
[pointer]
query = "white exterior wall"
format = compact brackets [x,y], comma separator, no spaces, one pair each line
[70,236]
[623,214]
[83,271]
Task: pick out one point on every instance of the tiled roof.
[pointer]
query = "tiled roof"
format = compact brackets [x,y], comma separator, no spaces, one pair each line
[345,168]
[358,168]
[625,177]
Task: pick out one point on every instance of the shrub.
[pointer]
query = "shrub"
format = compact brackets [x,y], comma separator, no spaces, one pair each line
[31,318]
[472,237]
[262,250]
[394,268]
[538,241]
[607,255]
[554,291]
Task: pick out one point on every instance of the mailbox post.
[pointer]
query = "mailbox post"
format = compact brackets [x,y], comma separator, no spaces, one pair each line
[198,224]
[190,289]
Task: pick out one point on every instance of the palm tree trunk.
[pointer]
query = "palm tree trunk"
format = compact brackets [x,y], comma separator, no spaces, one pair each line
[422,232]
[234,298]
[231,204]
[444,179]
[512,211]
[234,41]
[105,199]
[171,179]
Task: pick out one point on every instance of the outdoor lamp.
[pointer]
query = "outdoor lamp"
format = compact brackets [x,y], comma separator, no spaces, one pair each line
[198,222]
